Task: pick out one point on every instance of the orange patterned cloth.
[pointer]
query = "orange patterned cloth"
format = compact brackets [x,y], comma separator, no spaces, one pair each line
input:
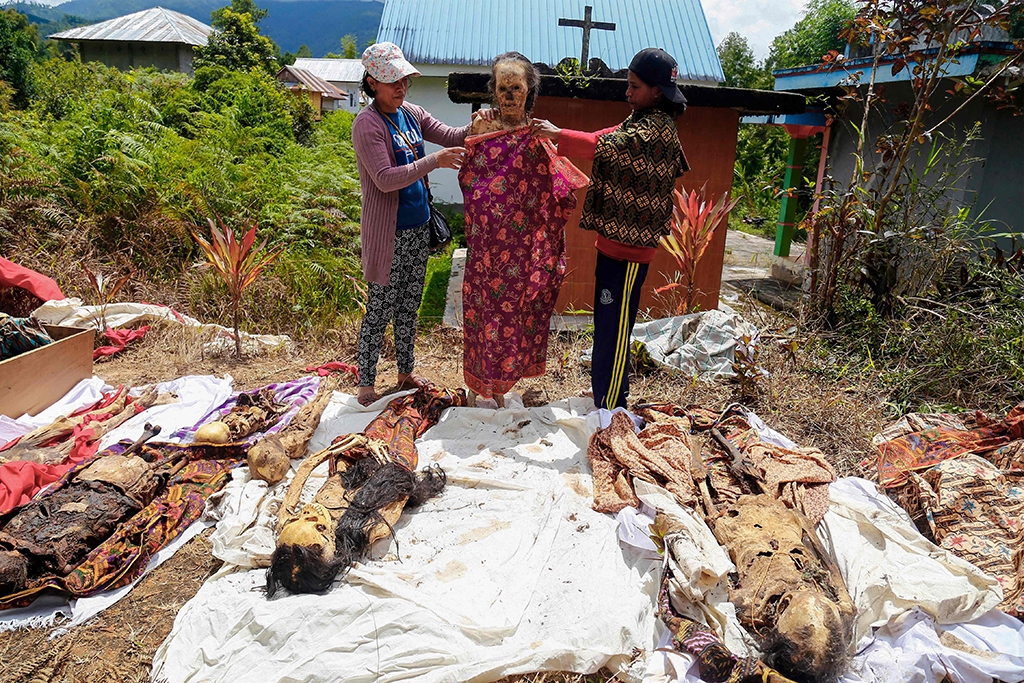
[922,448]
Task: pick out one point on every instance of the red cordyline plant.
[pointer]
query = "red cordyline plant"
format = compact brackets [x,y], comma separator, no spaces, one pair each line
[694,219]
[237,263]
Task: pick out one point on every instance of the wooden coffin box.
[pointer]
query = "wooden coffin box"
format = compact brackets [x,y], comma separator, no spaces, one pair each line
[32,381]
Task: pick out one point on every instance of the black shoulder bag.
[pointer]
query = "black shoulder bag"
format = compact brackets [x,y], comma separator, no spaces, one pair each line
[440,232]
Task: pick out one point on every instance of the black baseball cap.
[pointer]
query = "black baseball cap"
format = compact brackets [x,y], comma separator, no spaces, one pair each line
[657,67]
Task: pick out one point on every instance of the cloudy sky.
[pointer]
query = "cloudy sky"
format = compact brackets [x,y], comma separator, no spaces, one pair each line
[759,20]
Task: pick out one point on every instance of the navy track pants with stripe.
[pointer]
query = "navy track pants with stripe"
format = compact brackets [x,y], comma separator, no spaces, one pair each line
[617,289]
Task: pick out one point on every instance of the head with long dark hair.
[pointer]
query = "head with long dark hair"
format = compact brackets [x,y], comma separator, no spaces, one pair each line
[310,558]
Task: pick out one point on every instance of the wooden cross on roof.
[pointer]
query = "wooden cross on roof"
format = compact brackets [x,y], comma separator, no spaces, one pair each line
[587,25]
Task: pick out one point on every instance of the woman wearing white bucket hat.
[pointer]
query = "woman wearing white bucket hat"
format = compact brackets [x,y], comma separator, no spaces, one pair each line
[388,138]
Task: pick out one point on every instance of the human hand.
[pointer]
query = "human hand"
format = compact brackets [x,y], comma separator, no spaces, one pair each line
[452,157]
[545,129]
[485,114]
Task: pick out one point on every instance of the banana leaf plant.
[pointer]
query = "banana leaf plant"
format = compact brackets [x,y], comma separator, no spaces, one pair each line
[694,220]
[237,263]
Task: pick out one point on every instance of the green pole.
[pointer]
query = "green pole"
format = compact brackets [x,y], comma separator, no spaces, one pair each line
[787,212]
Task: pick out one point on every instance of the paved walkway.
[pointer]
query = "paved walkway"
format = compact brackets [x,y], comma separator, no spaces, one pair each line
[747,267]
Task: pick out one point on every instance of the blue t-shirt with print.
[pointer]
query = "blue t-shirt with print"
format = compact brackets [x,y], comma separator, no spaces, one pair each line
[413,208]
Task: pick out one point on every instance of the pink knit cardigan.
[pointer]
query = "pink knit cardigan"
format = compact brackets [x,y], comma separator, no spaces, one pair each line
[381,179]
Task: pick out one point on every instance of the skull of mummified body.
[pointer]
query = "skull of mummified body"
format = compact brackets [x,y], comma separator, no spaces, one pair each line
[787,592]
[511,89]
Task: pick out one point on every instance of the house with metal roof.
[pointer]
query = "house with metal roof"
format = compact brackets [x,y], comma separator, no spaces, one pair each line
[322,95]
[992,177]
[442,36]
[157,37]
[343,74]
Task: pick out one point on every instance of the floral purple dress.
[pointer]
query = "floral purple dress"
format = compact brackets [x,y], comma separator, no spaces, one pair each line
[518,196]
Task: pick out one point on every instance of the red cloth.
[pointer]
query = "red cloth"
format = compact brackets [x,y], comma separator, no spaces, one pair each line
[334,366]
[120,339]
[579,144]
[21,480]
[582,145]
[13,275]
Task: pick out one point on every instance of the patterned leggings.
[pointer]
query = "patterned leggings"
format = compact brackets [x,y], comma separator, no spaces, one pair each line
[399,300]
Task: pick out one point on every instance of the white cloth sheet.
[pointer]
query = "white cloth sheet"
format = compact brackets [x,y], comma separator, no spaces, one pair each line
[73,313]
[508,571]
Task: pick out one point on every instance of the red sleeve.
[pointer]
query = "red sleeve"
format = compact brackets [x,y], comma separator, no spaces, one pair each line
[579,144]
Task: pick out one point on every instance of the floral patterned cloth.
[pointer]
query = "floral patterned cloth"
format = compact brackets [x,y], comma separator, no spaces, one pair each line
[518,196]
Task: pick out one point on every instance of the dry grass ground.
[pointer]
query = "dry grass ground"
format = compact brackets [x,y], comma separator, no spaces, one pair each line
[803,399]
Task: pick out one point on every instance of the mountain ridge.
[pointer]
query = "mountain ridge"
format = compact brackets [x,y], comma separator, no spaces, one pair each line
[290,23]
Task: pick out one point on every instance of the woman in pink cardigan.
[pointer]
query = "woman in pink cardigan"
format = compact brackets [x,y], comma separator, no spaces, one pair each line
[388,138]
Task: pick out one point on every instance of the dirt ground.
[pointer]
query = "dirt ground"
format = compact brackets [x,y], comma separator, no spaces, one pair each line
[803,399]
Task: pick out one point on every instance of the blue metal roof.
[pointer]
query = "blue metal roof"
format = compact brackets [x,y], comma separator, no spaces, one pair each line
[475,31]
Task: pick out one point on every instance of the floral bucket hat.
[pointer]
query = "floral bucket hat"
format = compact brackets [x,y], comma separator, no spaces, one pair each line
[386,63]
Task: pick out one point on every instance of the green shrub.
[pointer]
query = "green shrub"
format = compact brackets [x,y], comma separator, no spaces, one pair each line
[115,167]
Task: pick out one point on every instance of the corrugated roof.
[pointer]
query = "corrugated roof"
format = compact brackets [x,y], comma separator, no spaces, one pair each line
[475,31]
[310,82]
[155,25]
[335,70]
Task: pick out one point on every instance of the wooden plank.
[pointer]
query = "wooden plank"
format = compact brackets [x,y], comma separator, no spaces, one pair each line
[32,381]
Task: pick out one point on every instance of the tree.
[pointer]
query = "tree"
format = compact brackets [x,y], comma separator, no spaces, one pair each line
[349,48]
[738,63]
[814,36]
[304,51]
[249,7]
[877,233]
[237,45]
[17,47]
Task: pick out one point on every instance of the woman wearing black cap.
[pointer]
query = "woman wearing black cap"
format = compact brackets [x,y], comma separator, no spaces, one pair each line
[629,206]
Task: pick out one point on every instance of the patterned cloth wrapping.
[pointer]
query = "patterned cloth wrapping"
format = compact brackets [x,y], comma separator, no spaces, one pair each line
[976,511]
[924,448]
[518,195]
[18,335]
[798,478]
[404,420]
[123,557]
[715,663]
[964,488]
[659,454]
[635,171]
[295,393]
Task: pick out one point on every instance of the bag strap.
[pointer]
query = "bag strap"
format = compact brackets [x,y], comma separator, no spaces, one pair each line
[412,147]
